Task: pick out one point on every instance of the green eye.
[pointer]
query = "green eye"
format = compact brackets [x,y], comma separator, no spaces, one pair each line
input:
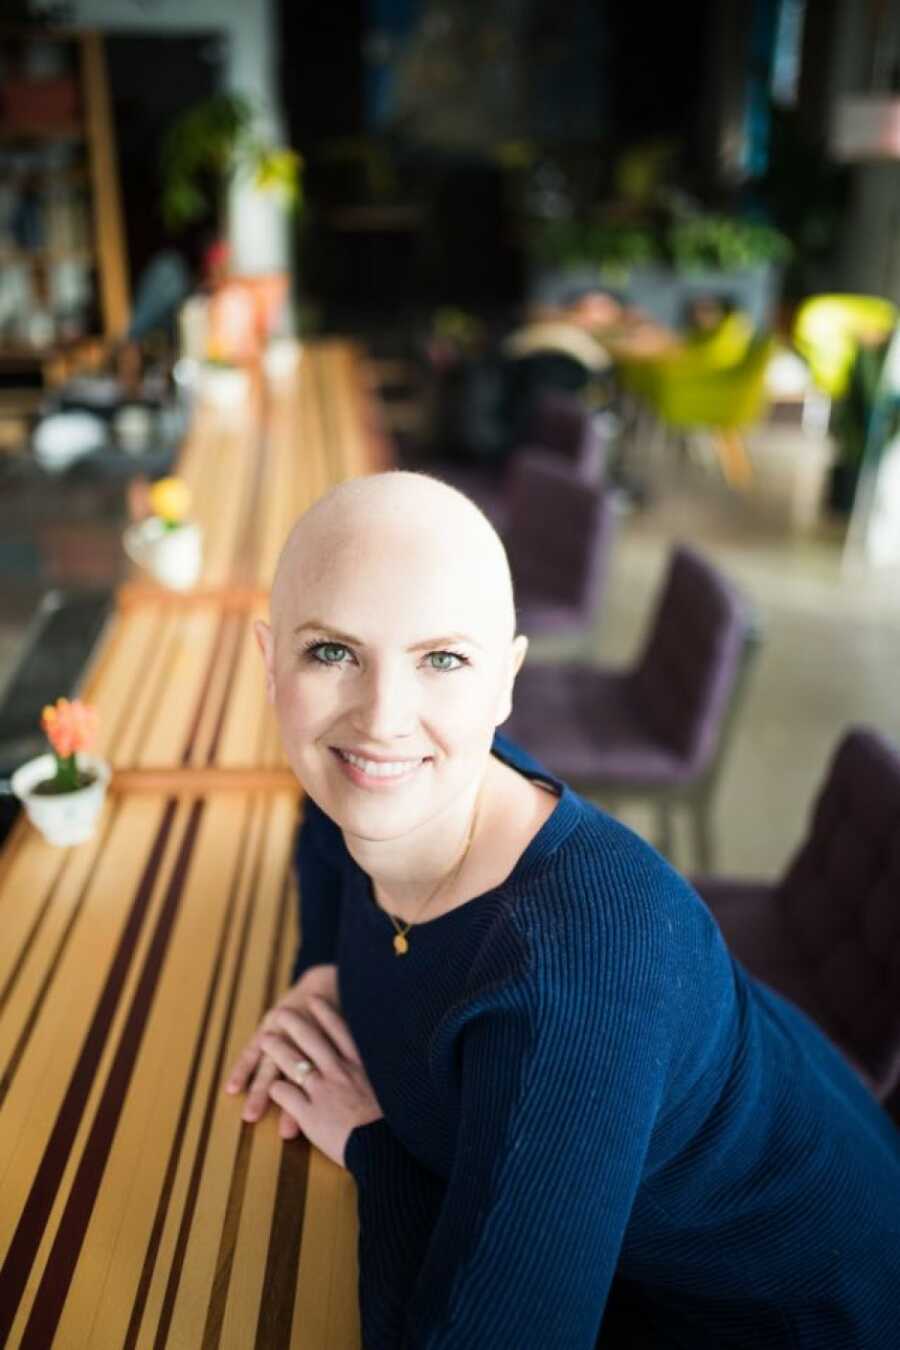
[444,660]
[329,653]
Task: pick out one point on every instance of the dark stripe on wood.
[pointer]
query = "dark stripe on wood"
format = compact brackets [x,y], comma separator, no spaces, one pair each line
[155,701]
[276,1308]
[273,1328]
[218,1296]
[215,1088]
[204,691]
[162,1208]
[64,1253]
[34,1011]
[30,1229]
[114,738]
[237,628]
[215,1313]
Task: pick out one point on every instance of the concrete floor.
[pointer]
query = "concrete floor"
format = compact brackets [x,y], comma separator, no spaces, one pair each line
[830,657]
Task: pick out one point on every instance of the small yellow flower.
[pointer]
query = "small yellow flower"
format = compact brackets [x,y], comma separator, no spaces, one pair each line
[278,170]
[170,499]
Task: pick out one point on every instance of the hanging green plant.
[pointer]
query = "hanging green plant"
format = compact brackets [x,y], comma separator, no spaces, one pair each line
[209,146]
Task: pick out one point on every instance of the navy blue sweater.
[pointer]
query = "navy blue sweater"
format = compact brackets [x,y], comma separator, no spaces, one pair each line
[579,1083]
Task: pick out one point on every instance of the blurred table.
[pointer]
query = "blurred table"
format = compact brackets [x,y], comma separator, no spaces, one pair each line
[646,340]
[135,1208]
[624,334]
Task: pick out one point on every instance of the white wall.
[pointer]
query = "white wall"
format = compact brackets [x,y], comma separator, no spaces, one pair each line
[258,228]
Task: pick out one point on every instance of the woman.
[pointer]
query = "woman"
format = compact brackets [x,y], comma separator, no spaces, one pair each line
[511,1019]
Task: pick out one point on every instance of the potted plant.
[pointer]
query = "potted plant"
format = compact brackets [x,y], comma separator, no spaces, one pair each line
[165,542]
[724,243]
[210,145]
[63,791]
[215,143]
[660,261]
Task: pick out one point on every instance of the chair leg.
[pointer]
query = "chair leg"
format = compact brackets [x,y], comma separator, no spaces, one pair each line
[733,458]
[664,840]
[703,837]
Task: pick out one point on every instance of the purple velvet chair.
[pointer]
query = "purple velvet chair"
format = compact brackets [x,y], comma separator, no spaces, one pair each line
[658,730]
[559,539]
[827,935]
[562,427]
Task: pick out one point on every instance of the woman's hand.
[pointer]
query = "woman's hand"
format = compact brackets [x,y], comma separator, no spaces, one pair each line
[325,1091]
[253,1071]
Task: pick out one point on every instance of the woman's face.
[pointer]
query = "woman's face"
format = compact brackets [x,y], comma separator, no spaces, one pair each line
[389,669]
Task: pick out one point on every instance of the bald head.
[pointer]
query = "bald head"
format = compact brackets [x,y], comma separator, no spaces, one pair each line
[398,527]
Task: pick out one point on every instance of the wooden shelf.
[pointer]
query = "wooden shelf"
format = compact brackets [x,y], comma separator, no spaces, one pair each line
[44,255]
[96,210]
[70,132]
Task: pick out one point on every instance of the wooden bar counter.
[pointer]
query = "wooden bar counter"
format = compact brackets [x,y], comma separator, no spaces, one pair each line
[136,1210]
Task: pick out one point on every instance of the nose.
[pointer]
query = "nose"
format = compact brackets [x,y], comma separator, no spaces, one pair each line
[388,706]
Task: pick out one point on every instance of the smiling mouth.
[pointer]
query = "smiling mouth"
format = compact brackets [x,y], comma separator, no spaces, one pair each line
[372,768]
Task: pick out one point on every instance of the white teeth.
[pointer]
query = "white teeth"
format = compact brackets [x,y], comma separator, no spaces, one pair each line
[372,769]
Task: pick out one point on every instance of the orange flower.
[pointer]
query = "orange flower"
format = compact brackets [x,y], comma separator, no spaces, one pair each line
[69,726]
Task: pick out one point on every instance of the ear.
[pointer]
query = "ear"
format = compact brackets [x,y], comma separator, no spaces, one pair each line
[266,641]
[517,654]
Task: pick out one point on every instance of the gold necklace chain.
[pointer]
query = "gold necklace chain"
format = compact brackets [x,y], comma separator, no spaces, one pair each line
[401,939]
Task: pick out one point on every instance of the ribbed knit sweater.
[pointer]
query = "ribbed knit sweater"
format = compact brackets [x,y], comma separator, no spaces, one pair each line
[583,1091]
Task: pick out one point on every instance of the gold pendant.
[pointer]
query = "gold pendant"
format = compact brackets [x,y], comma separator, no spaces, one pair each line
[401,946]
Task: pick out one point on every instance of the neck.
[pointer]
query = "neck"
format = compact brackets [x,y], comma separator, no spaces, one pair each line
[406,871]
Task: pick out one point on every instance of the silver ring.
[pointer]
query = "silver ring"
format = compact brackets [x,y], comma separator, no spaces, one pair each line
[302,1069]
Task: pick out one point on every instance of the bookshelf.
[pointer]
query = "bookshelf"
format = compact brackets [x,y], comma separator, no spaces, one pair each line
[64,285]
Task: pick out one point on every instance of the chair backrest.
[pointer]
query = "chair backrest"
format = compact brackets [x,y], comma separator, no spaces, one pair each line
[828,329]
[528,378]
[695,660]
[559,533]
[727,397]
[563,425]
[840,899]
[721,347]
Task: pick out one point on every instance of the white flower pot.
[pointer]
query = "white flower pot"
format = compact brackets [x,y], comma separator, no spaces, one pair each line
[68,817]
[172,557]
[226,388]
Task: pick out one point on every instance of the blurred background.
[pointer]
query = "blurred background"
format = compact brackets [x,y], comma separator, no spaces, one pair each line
[681,222]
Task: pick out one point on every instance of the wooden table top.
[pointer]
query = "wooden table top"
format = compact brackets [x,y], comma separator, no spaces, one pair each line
[136,1210]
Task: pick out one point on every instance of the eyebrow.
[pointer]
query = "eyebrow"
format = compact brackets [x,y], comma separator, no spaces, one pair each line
[347,638]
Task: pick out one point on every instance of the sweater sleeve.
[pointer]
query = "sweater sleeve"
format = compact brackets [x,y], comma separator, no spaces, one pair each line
[317,860]
[390,1249]
[562,1076]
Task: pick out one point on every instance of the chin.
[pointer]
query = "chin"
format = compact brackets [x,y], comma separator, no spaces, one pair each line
[375,821]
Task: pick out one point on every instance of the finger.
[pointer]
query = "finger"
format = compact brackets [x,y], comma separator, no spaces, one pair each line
[290,1099]
[258,1096]
[243,1067]
[288,1127]
[336,1027]
[296,1067]
[309,1038]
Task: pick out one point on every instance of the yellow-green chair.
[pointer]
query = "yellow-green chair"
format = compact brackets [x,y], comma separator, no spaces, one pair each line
[715,349]
[719,347]
[829,330]
[720,399]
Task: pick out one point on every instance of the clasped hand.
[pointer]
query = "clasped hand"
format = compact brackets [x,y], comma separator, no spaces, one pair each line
[303,1058]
